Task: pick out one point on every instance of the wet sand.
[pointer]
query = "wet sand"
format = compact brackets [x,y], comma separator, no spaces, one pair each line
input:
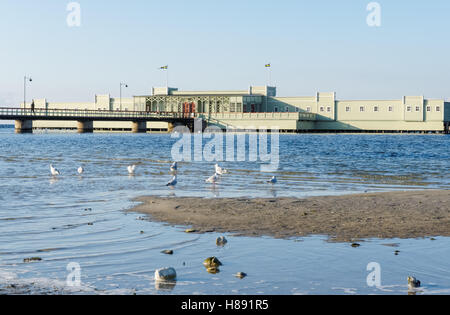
[348,218]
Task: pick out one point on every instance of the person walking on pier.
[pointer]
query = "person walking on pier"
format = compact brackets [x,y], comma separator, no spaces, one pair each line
[32,107]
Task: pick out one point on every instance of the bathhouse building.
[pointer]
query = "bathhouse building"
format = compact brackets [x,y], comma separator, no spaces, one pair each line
[259,107]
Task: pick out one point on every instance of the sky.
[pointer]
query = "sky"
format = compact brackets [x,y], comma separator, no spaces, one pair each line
[321,45]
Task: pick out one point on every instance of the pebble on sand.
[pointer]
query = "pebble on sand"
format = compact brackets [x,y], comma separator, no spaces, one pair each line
[240,275]
[212,262]
[413,283]
[165,274]
[221,241]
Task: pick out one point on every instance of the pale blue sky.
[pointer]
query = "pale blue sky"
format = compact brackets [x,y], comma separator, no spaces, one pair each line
[321,45]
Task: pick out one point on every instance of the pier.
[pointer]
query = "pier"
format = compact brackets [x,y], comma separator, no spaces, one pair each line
[85,118]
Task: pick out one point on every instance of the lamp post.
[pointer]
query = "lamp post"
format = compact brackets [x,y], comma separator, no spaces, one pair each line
[122,85]
[25,79]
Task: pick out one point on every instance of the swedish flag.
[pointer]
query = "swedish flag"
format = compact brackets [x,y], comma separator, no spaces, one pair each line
[164,68]
[268,65]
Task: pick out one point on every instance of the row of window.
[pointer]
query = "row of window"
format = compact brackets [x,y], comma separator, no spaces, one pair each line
[362,109]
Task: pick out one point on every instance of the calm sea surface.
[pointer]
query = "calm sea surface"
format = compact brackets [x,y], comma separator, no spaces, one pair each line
[84,219]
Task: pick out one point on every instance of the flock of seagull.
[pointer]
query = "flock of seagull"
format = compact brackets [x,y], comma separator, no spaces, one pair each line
[219,171]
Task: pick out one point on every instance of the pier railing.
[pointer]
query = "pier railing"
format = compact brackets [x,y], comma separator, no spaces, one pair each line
[68,114]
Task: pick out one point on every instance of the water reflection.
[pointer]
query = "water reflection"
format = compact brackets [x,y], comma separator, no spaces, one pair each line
[165,286]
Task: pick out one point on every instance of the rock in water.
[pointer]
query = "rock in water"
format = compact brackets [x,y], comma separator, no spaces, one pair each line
[32,259]
[413,283]
[165,274]
[221,241]
[212,262]
[241,275]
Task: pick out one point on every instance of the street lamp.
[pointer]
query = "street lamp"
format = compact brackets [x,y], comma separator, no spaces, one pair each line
[25,80]
[124,85]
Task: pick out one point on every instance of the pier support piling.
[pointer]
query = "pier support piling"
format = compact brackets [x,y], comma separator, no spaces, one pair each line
[139,127]
[24,126]
[85,126]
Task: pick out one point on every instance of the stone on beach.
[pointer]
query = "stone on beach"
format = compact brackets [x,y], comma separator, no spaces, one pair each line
[240,275]
[221,241]
[165,274]
[212,262]
[413,283]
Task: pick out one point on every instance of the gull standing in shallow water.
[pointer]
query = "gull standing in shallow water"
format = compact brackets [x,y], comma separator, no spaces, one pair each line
[213,179]
[131,169]
[172,182]
[54,171]
[273,180]
[80,170]
[174,167]
[219,170]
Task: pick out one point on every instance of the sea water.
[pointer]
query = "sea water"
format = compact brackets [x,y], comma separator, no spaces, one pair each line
[84,219]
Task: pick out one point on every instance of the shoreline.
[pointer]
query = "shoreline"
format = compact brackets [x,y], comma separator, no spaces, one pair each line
[348,218]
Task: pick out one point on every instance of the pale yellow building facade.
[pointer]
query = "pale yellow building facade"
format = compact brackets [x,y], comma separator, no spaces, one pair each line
[259,107]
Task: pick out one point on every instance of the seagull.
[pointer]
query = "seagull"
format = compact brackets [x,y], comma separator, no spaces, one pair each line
[131,169]
[54,171]
[213,179]
[273,180]
[174,167]
[220,171]
[172,182]
[80,170]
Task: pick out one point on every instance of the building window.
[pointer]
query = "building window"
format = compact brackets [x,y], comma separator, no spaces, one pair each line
[417,108]
[391,109]
[347,109]
[308,109]
[428,108]
[297,109]
[322,109]
[329,109]
[408,108]
[362,109]
[287,109]
[376,109]
[438,108]
[276,109]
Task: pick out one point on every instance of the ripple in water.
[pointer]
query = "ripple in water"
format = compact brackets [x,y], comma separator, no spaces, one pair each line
[83,219]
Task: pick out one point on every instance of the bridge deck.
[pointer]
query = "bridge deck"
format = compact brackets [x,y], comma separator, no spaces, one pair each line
[91,115]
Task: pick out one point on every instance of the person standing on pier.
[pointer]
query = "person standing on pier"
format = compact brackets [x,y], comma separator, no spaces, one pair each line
[32,107]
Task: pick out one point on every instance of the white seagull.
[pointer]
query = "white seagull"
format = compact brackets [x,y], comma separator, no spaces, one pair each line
[174,167]
[220,171]
[131,169]
[172,182]
[213,179]
[273,180]
[80,170]
[54,171]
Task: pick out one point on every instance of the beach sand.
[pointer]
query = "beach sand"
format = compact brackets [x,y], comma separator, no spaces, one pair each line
[411,214]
